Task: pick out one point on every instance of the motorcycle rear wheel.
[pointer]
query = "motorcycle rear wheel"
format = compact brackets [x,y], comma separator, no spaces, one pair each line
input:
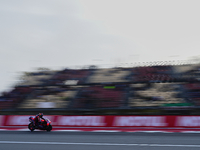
[49,128]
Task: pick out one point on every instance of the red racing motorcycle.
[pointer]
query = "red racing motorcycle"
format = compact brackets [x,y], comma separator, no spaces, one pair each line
[44,125]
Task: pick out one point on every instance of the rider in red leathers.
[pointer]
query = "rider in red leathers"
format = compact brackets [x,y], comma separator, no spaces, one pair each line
[37,120]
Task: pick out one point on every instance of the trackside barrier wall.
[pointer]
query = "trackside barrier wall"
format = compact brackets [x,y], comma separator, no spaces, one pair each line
[108,121]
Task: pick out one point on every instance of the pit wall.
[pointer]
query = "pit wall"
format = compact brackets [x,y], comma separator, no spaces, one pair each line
[107,121]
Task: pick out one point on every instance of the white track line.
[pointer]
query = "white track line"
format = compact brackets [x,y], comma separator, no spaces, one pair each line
[98,144]
[55,130]
[66,130]
[106,131]
[3,130]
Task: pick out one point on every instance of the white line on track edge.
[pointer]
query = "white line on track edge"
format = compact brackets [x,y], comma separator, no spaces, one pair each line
[98,144]
[55,130]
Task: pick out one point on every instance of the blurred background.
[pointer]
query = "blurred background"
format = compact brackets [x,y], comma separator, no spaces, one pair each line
[99,57]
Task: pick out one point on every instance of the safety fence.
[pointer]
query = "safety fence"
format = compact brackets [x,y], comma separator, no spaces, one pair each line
[107,121]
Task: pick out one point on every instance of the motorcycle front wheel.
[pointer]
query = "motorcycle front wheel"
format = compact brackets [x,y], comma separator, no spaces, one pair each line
[31,127]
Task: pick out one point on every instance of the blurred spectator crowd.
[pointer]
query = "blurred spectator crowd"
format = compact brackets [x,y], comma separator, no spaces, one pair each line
[97,88]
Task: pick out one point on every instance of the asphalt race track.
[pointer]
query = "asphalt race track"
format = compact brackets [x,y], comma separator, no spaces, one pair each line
[62,140]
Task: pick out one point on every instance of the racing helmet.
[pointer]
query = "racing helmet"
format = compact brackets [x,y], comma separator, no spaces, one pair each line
[40,115]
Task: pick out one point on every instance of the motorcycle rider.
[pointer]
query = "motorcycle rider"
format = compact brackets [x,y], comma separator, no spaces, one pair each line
[37,120]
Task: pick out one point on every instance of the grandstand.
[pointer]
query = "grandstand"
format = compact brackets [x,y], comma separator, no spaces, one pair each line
[121,90]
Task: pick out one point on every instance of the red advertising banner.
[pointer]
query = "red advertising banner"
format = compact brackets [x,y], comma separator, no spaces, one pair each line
[187,121]
[2,120]
[108,121]
[23,120]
